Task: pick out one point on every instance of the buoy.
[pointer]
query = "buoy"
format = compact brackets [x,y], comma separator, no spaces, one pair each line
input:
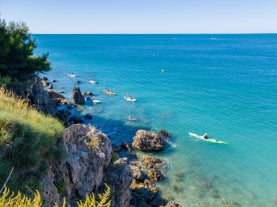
[162,70]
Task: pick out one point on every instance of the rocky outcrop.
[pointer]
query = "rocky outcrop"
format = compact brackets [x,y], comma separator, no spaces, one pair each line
[147,141]
[78,97]
[144,189]
[119,178]
[85,169]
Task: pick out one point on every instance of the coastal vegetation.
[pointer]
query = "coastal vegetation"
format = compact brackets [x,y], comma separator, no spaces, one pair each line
[28,140]
[9,199]
[17,62]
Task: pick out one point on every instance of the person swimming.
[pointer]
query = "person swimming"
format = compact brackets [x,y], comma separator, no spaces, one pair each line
[205,136]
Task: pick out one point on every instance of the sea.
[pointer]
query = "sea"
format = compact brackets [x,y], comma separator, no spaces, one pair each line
[220,84]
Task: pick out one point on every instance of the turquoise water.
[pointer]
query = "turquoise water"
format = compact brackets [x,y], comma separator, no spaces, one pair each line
[225,85]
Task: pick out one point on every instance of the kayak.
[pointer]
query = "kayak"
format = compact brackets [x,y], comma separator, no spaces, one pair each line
[109,92]
[129,98]
[207,140]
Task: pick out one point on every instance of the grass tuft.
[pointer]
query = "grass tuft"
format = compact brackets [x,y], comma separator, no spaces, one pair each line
[28,140]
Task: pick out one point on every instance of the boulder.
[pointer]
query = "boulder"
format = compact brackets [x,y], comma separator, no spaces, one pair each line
[88,153]
[40,98]
[147,141]
[164,134]
[77,96]
[75,120]
[63,115]
[88,93]
[54,94]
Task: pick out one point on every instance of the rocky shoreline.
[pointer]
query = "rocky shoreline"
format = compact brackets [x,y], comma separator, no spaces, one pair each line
[91,160]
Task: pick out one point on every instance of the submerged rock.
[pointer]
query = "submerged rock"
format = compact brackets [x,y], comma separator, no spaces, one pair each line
[164,134]
[152,162]
[147,141]
[155,175]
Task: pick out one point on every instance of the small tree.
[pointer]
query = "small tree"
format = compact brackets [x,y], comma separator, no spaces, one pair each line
[16,57]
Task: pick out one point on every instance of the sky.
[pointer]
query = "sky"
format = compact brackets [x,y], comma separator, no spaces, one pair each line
[143,16]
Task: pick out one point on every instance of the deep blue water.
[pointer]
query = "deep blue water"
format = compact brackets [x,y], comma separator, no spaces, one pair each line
[225,85]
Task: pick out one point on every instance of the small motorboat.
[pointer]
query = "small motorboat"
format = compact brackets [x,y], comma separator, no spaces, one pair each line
[129,98]
[92,81]
[72,75]
[107,91]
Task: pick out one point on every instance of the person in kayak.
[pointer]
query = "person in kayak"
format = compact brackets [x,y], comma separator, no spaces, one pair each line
[205,136]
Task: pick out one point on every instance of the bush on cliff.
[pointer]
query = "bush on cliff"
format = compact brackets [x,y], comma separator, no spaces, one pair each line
[16,57]
[28,140]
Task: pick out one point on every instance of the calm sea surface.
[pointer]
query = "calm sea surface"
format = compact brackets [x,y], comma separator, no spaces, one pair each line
[225,85]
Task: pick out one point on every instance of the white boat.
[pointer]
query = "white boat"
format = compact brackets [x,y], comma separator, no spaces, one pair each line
[92,81]
[72,75]
[129,98]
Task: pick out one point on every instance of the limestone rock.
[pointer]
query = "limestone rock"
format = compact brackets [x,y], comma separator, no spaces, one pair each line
[86,167]
[119,178]
[88,153]
[49,190]
[147,141]
[77,96]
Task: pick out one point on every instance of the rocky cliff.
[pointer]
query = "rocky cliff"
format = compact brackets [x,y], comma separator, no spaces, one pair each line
[85,168]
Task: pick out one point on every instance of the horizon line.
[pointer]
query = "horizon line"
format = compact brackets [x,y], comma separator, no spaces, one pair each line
[243,33]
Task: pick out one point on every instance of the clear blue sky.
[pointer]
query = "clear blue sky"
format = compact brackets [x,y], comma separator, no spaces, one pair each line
[143,16]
